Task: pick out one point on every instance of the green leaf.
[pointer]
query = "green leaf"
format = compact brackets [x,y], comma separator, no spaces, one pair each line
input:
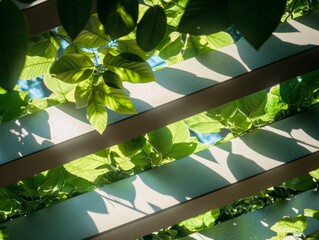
[72,68]
[119,17]
[161,140]
[202,123]
[4,233]
[13,105]
[312,213]
[256,19]
[300,183]
[13,43]
[128,44]
[182,149]
[151,29]
[179,131]
[112,79]
[200,222]
[239,121]
[93,34]
[290,225]
[9,200]
[74,14]
[196,46]
[37,104]
[115,99]
[202,17]
[219,40]
[61,89]
[130,67]
[96,112]
[171,46]
[83,93]
[43,45]
[91,167]
[131,147]
[35,66]
[315,174]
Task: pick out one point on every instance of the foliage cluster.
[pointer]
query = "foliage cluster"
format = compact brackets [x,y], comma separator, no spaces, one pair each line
[101,51]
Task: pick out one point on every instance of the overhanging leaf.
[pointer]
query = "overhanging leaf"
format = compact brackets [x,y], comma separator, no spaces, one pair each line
[119,17]
[256,19]
[93,34]
[130,67]
[203,17]
[161,140]
[290,225]
[62,89]
[96,113]
[151,29]
[74,14]
[13,43]
[35,66]
[72,68]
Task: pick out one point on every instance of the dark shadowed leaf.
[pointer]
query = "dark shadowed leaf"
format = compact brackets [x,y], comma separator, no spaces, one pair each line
[13,43]
[151,29]
[256,19]
[74,14]
[204,17]
[119,17]
[161,140]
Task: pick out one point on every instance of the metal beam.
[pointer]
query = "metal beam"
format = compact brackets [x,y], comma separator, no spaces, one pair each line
[61,134]
[158,198]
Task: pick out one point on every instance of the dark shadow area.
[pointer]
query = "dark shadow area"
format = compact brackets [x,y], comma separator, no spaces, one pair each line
[222,63]
[240,166]
[70,109]
[18,138]
[67,220]
[274,146]
[267,53]
[172,179]
[182,82]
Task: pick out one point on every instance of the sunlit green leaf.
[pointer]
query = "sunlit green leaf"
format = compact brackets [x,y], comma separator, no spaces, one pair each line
[290,225]
[96,112]
[72,68]
[256,19]
[83,93]
[196,46]
[219,40]
[119,17]
[93,34]
[314,213]
[161,140]
[62,89]
[200,222]
[203,17]
[37,104]
[151,29]
[89,167]
[35,66]
[180,150]
[115,99]
[13,43]
[74,14]
[202,123]
[130,67]
[43,45]
[179,131]
[315,174]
